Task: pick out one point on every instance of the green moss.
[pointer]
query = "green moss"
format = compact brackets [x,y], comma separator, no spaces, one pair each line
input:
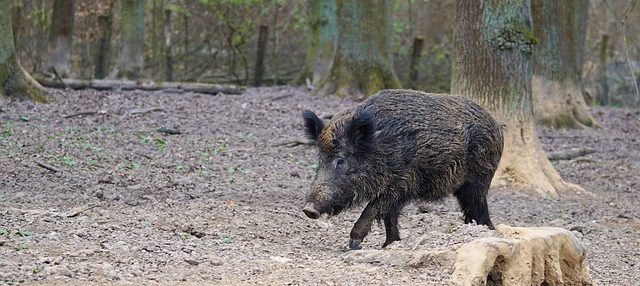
[515,35]
[560,121]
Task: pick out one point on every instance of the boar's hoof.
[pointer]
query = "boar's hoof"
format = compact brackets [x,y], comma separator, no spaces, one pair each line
[354,244]
[311,212]
[387,242]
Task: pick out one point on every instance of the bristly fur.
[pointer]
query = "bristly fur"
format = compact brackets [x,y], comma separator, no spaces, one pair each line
[401,145]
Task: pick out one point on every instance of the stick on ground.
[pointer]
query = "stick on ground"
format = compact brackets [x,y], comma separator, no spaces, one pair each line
[48,167]
[570,154]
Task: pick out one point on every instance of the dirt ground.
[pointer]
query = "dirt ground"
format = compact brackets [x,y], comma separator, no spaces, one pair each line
[219,203]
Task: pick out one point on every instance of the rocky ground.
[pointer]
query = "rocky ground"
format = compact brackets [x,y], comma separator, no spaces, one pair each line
[220,203]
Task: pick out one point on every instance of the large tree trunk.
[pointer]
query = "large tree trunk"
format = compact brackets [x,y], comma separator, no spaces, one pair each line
[561,28]
[130,58]
[59,46]
[492,66]
[14,80]
[362,62]
[322,37]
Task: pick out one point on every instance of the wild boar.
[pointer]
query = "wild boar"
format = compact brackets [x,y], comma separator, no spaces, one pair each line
[398,146]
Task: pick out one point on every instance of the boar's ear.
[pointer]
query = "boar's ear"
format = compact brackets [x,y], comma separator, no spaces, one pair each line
[360,131]
[312,125]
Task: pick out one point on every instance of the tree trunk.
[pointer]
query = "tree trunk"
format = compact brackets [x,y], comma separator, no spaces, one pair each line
[561,29]
[168,46]
[321,44]
[14,80]
[362,62]
[260,55]
[492,66]
[104,46]
[59,45]
[416,52]
[130,58]
[16,19]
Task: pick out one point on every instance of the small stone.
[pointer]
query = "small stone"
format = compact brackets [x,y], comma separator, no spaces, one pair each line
[577,228]
[295,174]
[215,262]
[192,262]
[280,259]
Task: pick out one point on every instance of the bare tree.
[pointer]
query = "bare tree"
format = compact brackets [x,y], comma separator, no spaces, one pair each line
[131,56]
[321,46]
[492,65]
[59,45]
[362,62]
[14,80]
[560,28]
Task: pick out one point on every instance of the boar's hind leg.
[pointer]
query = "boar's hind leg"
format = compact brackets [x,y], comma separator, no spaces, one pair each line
[472,197]
[391,225]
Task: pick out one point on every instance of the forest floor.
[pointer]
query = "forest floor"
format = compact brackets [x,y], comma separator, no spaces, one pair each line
[219,203]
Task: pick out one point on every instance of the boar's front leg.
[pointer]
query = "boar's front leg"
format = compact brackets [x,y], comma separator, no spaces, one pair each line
[363,225]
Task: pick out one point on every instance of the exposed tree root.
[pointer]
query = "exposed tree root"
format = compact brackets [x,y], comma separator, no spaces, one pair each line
[525,165]
[560,105]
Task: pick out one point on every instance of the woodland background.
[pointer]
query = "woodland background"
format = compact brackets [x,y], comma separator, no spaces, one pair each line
[217,42]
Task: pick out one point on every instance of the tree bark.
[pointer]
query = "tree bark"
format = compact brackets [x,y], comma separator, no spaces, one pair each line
[362,62]
[14,80]
[130,58]
[561,29]
[492,66]
[321,44]
[59,45]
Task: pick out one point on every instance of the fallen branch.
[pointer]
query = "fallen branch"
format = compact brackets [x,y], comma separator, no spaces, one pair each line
[569,154]
[48,167]
[104,84]
[293,143]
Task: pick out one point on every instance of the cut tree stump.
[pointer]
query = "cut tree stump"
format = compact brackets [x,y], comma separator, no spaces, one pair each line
[105,84]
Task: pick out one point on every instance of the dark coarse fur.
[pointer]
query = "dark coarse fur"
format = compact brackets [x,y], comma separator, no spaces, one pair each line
[402,145]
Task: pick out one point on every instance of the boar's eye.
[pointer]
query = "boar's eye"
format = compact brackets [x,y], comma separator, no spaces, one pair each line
[339,162]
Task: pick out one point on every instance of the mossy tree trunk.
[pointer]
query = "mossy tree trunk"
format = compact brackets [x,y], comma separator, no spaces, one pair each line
[59,45]
[492,66]
[321,46]
[130,60]
[561,29]
[362,62]
[14,80]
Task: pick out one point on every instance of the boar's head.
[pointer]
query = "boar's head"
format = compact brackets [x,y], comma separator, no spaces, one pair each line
[344,144]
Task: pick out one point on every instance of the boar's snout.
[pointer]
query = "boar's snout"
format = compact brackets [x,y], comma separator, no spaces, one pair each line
[310,211]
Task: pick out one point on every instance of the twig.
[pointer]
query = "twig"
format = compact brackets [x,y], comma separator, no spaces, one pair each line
[281,97]
[85,113]
[48,167]
[169,131]
[58,77]
[144,110]
[626,49]
[78,211]
[569,154]
[293,143]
